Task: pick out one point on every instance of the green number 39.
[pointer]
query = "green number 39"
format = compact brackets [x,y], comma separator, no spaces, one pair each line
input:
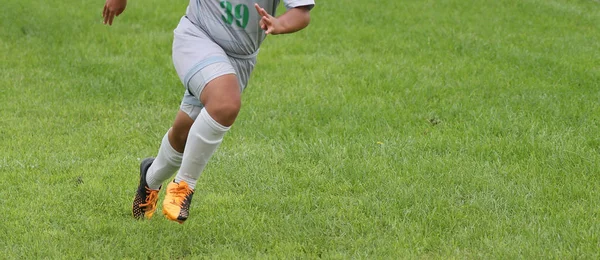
[240,14]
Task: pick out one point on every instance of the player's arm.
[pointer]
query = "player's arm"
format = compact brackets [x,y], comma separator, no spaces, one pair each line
[112,8]
[293,20]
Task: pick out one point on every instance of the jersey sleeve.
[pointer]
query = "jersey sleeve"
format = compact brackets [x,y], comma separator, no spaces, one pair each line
[289,4]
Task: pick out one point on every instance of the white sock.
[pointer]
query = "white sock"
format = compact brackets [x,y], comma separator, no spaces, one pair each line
[166,163]
[205,136]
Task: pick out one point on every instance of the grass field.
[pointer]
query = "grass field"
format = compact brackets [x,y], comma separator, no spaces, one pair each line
[387,129]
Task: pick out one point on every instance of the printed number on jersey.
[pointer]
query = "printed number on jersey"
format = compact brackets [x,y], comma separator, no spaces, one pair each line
[237,15]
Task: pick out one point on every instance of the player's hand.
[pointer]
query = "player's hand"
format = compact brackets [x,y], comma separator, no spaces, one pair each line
[268,23]
[113,8]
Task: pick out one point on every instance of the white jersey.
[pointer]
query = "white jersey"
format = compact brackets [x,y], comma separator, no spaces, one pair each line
[234,24]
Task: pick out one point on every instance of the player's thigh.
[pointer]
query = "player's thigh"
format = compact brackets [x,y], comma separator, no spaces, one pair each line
[222,93]
[216,86]
[222,77]
[197,60]
[222,81]
[243,68]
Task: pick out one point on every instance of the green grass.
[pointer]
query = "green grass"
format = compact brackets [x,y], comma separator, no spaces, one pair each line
[387,129]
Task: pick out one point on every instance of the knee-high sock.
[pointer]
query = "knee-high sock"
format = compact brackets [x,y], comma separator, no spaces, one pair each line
[166,163]
[205,136]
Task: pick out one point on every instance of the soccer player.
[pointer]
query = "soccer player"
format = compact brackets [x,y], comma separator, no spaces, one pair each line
[214,51]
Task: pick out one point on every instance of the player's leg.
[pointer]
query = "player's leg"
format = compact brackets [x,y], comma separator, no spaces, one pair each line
[154,171]
[212,100]
[170,153]
[221,101]
[179,131]
[219,86]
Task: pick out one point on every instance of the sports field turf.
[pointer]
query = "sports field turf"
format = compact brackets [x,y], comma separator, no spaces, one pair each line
[387,129]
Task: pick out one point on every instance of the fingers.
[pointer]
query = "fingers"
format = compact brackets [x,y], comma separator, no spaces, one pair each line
[107,15]
[270,30]
[261,10]
[257,7]
[111,16]
[111,9]
[108,19]
[268,25]
[264,13]
[262,25]
[266,21]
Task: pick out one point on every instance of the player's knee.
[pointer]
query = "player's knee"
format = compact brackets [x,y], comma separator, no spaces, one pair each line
[222,99]
[225,111]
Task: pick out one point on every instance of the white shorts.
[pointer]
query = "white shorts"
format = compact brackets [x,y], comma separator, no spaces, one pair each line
[198,60]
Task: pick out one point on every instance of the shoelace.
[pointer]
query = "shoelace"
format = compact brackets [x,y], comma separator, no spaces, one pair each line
[151,197]
[181,192]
